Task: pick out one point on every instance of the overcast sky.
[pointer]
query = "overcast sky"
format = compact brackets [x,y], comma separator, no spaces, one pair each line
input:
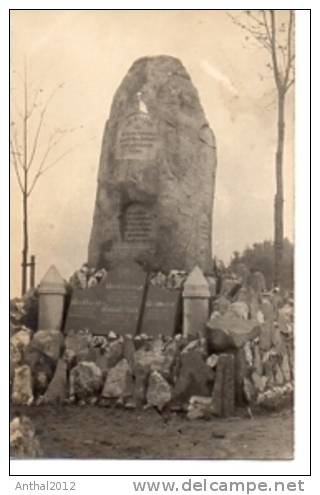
[91,52]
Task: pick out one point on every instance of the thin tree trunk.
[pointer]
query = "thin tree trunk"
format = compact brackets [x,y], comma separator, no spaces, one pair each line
[278,204]
[25,191]
[25,245]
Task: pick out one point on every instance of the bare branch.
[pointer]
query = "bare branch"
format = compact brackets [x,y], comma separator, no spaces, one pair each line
[34,103]
[43,170]
[290,83]
[15,165]
[274,51]
[266,26]
[289,41]
[254,30]
[256,19]
[18,109]
[16,146]
[40,124]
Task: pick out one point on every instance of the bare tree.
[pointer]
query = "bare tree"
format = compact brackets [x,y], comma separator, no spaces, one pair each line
[274,31]
[30,160]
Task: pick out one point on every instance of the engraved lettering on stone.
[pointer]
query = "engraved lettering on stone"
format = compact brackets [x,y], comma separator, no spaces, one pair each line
[137,138]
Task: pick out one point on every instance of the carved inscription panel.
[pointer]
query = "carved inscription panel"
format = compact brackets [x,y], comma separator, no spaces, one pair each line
[137,138]
[138,224]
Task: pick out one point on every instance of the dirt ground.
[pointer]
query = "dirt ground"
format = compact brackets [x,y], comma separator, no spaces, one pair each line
[92,432]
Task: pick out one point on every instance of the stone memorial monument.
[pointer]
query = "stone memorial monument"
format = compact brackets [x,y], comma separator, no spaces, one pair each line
[156,176]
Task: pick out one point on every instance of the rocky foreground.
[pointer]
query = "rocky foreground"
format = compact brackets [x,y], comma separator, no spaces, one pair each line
[239,364]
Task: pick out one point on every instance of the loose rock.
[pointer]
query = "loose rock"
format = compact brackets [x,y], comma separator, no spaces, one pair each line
[24,443]
[159,391]
[200,408]
[58,387]
[195,377]
[119,383]
[229,332]
[85,380]
[50,342]
[22,393]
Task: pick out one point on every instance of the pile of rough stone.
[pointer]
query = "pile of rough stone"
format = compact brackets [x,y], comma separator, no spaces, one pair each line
[244,358]
[257,327]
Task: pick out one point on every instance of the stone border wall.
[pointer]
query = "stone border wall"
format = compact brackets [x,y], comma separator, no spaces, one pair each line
[177,374]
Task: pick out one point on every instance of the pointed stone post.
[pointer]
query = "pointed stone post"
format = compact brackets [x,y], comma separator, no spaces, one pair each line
[52,290]
[196,301]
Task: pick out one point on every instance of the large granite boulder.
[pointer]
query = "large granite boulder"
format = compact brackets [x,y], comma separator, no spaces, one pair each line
[85,381]
[157,173]
[119,382]
[159,391]
[230,332]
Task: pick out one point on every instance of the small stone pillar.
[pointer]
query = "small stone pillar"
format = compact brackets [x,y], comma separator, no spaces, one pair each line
[196,301]
[52,292]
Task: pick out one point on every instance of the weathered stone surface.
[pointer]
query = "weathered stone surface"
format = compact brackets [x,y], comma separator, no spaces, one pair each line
[229,332]
[241,369]
[276,398]
[85,380]
[228,390]
[77,346]
[159,357]
[57,390]
[21,338]
[52,290]
[228,285]
[248,390]
[277,340]
[267,309]
[278,375]
[42,368]
[257,362]
[19,342]
[49,342]
[195,377]
[212,360]
[247,349]
[217,392]
[24,443]
[268,372]
[114,352]
[22,392]
[240,309]
[129,350]
[148,205]
[259,381]
[265,341]
[285,368]
[220,306]
[112,306]
[196,302]
[119,383]
[24,311]
[159,391]
[162,310]
[200,408]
